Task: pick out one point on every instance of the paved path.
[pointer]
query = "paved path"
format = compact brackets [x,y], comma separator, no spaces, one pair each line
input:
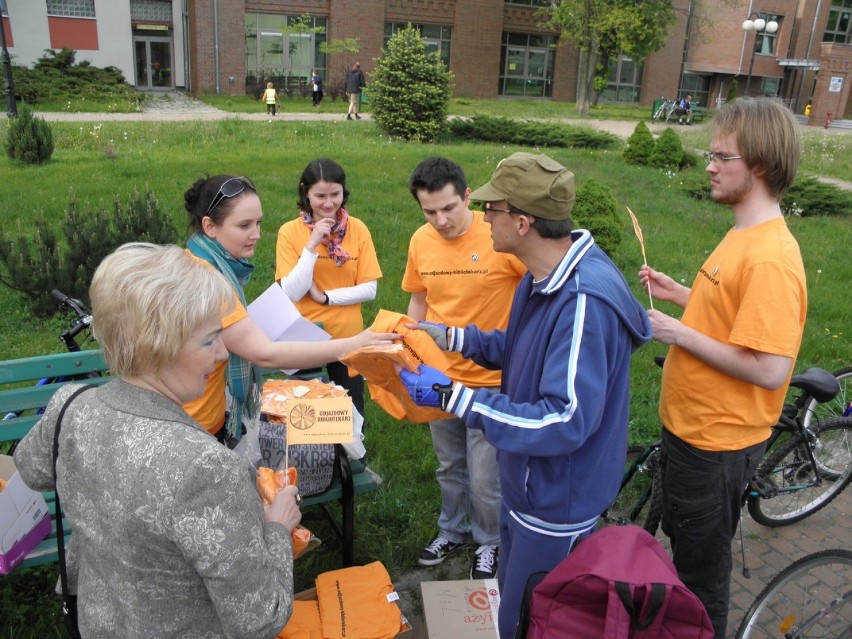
[768,550]
[178,107]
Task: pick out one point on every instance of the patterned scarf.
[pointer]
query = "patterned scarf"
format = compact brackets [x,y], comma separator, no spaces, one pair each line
[333,240]
[244,378]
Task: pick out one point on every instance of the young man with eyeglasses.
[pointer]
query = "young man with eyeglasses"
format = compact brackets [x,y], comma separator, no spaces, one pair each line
[732,352]
[456,277]
[559,421]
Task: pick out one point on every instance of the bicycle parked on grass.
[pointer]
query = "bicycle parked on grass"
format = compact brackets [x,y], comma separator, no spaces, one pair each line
[803,469]
[81,322]
[812,597]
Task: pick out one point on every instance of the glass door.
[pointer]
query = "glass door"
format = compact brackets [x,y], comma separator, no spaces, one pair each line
[153,62]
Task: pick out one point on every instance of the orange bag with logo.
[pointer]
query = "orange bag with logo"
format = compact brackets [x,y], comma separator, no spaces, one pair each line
[269,482]
[379,366]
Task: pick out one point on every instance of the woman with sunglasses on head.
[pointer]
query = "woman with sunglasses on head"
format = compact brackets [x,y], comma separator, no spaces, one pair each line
[225,215]
[327,264]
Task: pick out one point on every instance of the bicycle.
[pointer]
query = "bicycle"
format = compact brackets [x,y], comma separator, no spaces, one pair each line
[840,406]
[665,110]
[814,463]
[811,597]
[81,322]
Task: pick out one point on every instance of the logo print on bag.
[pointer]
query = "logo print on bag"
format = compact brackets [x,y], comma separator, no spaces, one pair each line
[302,416]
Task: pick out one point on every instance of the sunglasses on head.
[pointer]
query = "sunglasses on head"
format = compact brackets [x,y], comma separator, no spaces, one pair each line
[231,187]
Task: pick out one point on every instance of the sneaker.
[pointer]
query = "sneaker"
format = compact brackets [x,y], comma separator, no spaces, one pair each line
[438,550]
[357,117]
[485,564]
[348,116]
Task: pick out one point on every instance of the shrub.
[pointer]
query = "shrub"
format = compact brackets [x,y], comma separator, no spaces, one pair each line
[732,91]
[541,134]
[39,264]
[29,138]
[668,151]
[808,196]
[640,145]
[595,209]
[410,88]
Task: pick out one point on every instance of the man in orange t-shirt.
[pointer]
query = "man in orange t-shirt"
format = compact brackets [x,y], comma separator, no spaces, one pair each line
[455,277]
[732,352]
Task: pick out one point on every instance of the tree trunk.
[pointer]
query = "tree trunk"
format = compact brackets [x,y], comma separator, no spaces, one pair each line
[586,76]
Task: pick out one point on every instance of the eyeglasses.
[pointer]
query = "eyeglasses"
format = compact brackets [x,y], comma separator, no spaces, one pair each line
[230,188]
[715,157]
[490,209]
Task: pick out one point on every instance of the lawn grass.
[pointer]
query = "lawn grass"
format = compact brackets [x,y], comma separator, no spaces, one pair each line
[101,162]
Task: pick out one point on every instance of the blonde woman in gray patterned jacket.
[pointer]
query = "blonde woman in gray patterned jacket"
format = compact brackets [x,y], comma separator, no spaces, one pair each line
[169,535]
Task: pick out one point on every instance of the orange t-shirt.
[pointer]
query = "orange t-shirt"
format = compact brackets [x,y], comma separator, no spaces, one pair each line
[362,266]
[209,409]
[751,292]
[466,282]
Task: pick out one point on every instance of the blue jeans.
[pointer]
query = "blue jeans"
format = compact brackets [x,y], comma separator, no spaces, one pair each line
[702,498]
[469,481]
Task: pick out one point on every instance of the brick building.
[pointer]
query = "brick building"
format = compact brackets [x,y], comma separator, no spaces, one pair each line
[495,48]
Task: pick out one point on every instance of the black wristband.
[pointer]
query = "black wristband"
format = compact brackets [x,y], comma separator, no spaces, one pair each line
[327,301]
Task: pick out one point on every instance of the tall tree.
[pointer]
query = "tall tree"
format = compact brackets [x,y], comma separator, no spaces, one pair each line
[634,28]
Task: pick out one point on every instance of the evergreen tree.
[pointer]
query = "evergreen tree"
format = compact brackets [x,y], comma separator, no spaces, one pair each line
[596,210]
[640,145]
[410,89]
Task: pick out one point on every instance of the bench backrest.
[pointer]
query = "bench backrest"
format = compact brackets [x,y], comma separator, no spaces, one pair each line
[20,394]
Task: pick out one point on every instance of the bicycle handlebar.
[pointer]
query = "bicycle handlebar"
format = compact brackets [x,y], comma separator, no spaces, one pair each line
[81,323]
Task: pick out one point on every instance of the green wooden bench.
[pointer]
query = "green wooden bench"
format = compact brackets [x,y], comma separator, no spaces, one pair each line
[699,114]
[19,394]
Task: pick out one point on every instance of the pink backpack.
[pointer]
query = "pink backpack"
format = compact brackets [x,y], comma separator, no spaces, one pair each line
[619,583]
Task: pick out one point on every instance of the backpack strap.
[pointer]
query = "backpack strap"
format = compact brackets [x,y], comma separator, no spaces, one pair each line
[648,612]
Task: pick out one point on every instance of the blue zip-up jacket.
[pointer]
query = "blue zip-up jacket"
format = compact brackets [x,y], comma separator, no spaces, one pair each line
[560,420]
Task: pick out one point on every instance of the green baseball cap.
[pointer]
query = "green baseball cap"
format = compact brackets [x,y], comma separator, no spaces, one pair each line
[535,184]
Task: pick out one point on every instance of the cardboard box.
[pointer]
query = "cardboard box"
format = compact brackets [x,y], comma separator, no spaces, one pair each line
[24,518]
[461,609]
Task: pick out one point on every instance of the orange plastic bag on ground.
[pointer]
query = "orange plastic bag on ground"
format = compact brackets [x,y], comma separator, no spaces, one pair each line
[379,365]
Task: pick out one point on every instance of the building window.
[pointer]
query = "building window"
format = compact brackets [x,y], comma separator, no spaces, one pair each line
[530,3]
[526,65]
[624,81]
[289,56]
[764,42]
[839,25]
[71,8]
[437,37]
[151,10]
[698,86]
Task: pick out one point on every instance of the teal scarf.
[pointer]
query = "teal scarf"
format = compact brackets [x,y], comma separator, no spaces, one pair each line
[244,378]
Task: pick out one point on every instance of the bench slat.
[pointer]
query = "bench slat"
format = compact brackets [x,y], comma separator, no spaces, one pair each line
[56,365]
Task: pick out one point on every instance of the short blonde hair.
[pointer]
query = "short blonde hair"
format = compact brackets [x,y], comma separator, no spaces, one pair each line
[146,302]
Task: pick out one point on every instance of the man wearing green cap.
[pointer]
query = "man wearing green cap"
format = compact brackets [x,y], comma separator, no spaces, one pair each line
[559,422]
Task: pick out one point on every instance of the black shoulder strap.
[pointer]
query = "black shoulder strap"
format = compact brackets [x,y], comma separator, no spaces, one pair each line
[658,595]
[60,533]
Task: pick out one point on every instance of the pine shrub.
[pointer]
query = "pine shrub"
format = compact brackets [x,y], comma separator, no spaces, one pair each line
[596,210]
[35,265]
[410,89]
[640,145]
[29,138]
[668,151]
[539,134]
[808,197]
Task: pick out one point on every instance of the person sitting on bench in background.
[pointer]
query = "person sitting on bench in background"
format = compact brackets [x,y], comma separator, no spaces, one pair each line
[684,108]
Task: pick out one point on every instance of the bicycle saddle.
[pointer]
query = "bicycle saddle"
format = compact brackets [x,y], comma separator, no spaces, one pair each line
[818,383]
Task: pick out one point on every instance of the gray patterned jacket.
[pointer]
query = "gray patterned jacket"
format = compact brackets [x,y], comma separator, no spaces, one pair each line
[168,532]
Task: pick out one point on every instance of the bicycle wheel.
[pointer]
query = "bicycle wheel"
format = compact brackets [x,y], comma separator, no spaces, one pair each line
[634,503]
[809,598]
[792,473]
[814,411]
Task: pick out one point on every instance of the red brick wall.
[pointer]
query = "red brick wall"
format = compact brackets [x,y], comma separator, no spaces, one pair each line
[835,62]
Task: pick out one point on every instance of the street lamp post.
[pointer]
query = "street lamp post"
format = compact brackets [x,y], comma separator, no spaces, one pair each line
[757,22]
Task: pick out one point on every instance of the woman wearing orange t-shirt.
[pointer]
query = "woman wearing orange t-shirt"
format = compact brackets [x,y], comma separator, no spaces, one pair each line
[225,214]
[327,264]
